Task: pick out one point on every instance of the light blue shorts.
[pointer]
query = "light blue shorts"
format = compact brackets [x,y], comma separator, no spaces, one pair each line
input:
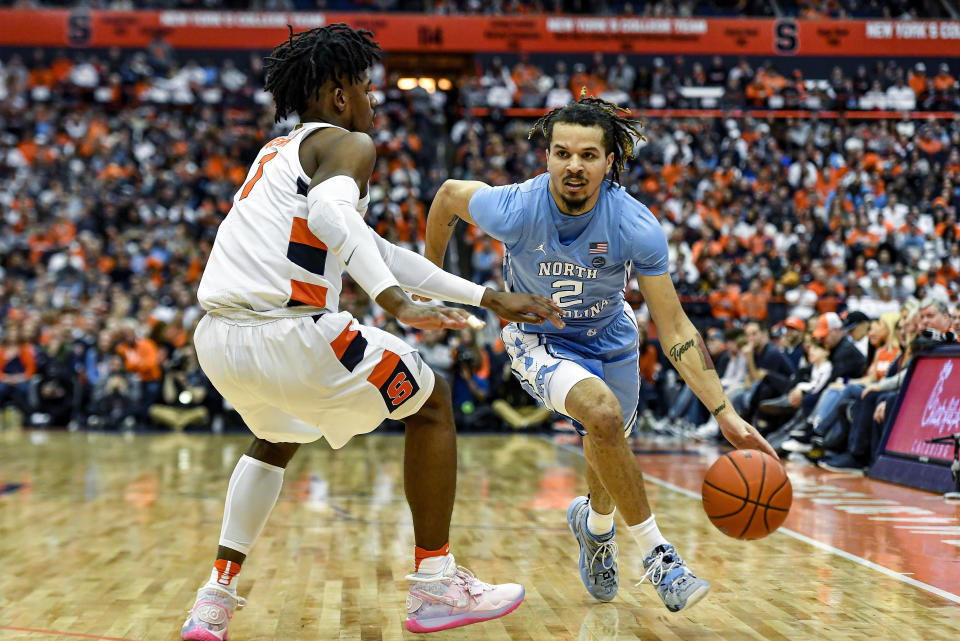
[549,365]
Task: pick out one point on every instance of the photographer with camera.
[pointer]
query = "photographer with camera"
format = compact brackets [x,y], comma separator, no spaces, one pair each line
[184,394]
[470,387]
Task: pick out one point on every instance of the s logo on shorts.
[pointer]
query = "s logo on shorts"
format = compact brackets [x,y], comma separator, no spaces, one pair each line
[393,378]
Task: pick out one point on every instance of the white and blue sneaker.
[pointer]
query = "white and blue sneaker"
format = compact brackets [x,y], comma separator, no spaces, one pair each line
[598,554]
[675,583]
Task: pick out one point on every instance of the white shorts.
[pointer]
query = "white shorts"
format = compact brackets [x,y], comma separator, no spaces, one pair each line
[294,380]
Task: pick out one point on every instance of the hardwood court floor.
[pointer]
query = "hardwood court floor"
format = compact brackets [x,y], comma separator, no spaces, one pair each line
[108,537]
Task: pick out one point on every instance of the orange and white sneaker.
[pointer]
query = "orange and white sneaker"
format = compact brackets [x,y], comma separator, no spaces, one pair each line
[455,597]
[211,614]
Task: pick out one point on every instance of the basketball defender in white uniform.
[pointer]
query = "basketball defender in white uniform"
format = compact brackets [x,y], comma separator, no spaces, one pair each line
[275,344]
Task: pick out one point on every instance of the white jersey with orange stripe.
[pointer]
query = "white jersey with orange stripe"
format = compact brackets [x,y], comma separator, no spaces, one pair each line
[265,262]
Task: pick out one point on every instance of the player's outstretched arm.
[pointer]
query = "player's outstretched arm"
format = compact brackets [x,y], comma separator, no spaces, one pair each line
[419,276]
[451,203]
[343,167]
[685,348]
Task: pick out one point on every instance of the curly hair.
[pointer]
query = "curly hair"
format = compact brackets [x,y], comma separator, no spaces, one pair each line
[299,67]
[619,131]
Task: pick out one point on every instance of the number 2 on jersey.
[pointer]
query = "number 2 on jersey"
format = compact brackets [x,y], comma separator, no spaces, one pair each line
[257,176]
[569,288]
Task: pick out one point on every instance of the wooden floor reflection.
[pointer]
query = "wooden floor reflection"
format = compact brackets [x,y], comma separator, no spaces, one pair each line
[108,537]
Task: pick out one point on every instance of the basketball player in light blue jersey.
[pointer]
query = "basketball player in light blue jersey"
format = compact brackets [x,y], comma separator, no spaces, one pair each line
[575,237]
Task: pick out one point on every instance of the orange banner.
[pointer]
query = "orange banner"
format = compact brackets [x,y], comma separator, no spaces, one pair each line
[485,34]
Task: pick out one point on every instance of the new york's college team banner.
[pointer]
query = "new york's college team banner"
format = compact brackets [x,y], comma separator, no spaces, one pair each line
[475,34]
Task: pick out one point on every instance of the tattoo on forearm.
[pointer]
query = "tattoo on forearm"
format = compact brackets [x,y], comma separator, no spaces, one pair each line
[678,350]
[453,221]
[705,354]
[722,407]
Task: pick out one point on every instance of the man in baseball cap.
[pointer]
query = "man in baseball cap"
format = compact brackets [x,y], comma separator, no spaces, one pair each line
[828,324]
[846,359]
[795,322]
[715,333]
[792,342]
[857,326]
[855,319]
[847,362]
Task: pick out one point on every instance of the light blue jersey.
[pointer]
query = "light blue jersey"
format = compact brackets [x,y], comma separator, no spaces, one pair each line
[584,264]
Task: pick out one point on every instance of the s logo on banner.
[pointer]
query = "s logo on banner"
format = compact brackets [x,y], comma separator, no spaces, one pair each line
[786,37]
[79,29]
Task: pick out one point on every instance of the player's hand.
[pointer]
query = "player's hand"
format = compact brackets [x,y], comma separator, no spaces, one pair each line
[742,435]
[421,299]
[424,317]
[523,308]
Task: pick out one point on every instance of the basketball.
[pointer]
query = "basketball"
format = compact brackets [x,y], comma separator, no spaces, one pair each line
[746,494]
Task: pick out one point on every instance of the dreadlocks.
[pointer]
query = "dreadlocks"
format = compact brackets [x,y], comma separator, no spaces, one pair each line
[618,131]
[299,67]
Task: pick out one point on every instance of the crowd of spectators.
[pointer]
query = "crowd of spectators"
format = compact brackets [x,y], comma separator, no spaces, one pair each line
[720,84]
[775,217]
[807,9]
[820,390]
[116,170]
[114,175]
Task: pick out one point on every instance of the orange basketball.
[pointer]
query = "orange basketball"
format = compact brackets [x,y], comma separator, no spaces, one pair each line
[746,494]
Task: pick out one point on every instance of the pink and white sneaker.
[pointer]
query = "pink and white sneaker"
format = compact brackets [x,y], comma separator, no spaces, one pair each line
[455,597]
[211,614]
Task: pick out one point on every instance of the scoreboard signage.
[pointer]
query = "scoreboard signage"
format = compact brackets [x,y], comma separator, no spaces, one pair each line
[488,34]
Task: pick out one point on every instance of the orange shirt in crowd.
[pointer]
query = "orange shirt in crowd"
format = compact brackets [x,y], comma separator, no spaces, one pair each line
[725,303]
[757,243]
[827,300]
[61,68]
[882,361]
[943,81]
[41,78]
[941,229]
[930,146]
[27,356]
[755,305]
[918,82]
[142,359]
[870,241]
[671,174]
[648,362]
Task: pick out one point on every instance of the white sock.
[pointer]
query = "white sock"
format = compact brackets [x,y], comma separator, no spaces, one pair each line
[600,524]
[251,495]
[433,565]
[224,580]
[647,535]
